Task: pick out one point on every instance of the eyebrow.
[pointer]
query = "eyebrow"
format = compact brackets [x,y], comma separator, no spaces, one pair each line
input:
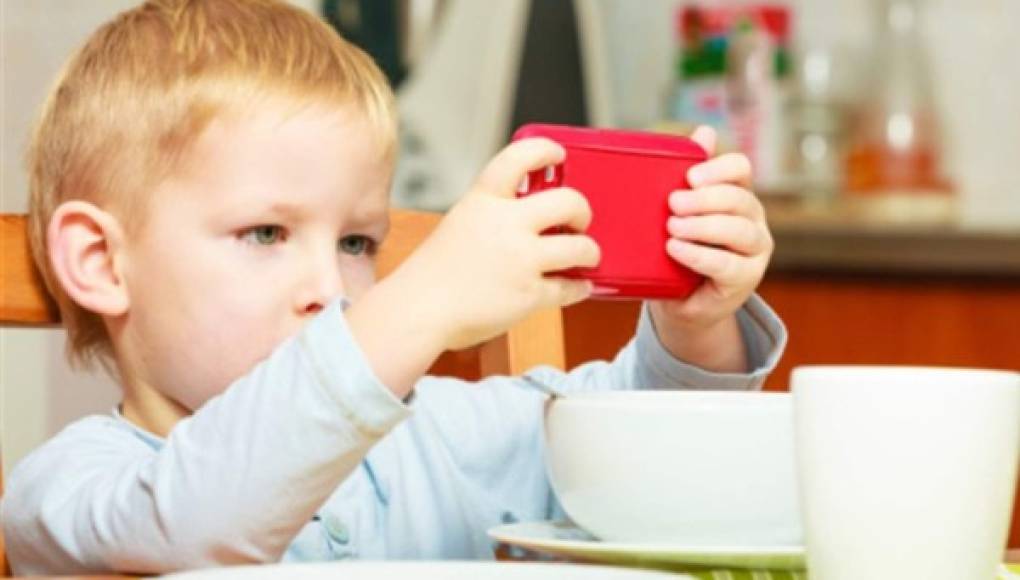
[287,210]
[378,222]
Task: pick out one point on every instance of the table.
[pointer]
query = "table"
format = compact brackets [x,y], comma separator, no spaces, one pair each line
[1013,556]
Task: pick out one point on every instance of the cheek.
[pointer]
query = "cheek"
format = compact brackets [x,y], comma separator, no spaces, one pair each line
[205,333]
[245,324]
[201,315]
[357,279]
[220,347]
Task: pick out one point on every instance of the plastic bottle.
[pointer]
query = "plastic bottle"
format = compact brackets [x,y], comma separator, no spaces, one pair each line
[758,91]
[698,96]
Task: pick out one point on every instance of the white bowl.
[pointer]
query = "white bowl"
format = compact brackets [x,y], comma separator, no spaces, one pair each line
[698,468]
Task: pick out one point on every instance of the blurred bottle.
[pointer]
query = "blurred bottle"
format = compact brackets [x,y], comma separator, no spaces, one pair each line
[817,119]
[698,95]
[896,146]
[758,91]
[732,73]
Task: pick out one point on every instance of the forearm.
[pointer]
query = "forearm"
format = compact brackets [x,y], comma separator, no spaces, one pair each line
[718,348]
[762,336]
[393,324]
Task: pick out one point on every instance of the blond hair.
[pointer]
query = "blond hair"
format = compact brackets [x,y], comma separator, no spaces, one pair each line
[130,103]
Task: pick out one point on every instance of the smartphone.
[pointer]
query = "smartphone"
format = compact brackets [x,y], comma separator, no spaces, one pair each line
[627,177]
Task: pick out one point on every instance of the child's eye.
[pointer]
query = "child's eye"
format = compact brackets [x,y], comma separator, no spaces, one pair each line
[265,235]
[356,245]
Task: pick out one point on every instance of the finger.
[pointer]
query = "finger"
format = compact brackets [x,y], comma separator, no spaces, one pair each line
[557,207]
[565,291]
[728,168]
[706,137]
[722,266]
[729,199]
[563,251]
[738,234]
[505,172]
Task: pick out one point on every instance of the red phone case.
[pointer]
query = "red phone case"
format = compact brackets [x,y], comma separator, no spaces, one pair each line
[627,177]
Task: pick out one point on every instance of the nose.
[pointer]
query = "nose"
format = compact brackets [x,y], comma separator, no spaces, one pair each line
[320,284]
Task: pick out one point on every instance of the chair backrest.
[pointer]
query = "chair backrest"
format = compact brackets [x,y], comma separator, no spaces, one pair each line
[537,340]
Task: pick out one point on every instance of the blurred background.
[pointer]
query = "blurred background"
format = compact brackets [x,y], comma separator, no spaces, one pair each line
[885,136]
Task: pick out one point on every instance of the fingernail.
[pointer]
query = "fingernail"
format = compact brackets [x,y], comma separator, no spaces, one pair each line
[673,246]
[604,291]
[525,185]
[696,176]
[679,200]
[679,249]
[678,227]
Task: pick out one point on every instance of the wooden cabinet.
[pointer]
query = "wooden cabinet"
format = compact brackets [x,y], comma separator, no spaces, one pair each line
[855,318]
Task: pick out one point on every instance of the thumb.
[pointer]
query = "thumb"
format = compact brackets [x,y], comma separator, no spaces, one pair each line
[706,137]
[509,167]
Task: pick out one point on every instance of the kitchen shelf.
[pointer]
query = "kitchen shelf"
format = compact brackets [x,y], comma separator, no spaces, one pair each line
[903,235]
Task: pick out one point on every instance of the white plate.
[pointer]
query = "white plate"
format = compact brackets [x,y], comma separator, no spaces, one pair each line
[424,570]
[566,539]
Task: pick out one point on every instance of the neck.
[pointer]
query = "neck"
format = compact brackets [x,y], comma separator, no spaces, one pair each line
[143,405]
[149,409]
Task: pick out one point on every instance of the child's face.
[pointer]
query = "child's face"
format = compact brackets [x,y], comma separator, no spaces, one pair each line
[277,216]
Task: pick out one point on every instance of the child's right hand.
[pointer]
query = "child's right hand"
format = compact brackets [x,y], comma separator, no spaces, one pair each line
[484,267]
[482,270]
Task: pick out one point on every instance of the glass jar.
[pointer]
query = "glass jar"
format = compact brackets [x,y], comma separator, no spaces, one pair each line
[896,146]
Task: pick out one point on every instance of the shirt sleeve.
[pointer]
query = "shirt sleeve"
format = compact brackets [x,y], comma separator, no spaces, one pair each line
[233,483]
[645,363]
[764,339]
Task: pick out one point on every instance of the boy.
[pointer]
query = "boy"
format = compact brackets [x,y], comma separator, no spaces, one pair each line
[209,182]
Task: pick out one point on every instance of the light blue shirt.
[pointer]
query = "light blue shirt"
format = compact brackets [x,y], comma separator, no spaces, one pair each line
[309,457]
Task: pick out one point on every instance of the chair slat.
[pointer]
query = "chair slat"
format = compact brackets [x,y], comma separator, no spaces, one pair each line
[407,230]
[24,300]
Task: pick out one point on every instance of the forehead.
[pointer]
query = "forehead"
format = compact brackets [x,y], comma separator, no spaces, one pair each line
[313,157]
[342,136]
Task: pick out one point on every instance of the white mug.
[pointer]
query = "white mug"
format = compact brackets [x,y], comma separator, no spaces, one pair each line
[905,472]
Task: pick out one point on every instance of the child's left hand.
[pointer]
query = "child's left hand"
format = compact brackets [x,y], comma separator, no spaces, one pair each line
[717,229]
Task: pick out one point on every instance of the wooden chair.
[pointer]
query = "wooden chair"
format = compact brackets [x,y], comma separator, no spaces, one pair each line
[24,302]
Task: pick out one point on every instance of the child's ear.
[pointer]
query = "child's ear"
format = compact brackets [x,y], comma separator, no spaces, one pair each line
[84,251]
